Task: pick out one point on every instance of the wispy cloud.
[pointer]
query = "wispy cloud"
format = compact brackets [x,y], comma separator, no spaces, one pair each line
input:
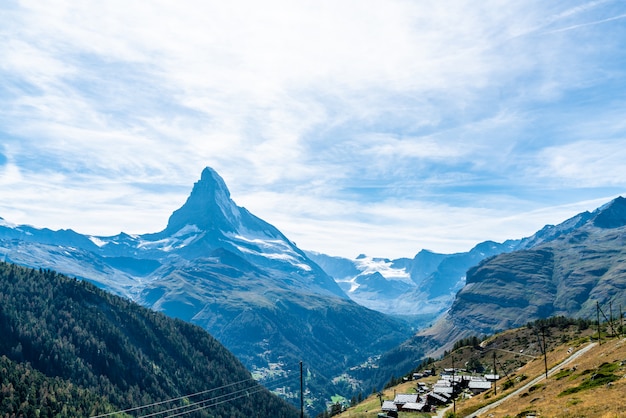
[425,123]
[590,163]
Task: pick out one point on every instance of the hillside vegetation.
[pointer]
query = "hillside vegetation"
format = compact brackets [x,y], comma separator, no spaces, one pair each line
[591,385]
[70,349]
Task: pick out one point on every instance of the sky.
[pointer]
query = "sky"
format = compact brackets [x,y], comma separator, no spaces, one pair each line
[353,126]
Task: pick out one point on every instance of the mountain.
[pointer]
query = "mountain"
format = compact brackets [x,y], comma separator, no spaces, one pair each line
[569,269]
[423,288]
[419,289]
[217,265]
[564,276]
[71,349]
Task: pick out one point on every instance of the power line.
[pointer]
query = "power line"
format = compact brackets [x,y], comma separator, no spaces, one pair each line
[171,400]
[178,408]
[255,388]
[211,404]
[217,400]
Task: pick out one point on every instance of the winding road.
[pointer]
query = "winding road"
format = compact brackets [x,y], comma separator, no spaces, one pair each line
[554,369]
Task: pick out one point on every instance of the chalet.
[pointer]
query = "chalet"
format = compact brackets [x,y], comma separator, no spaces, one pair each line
[422,387]
[402,398]
[457,379]
[415,407]
[389,406]
[479,386]
[444,388]
[437,399]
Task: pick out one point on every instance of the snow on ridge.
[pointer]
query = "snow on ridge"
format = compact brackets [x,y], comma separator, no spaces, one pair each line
[182,238]
[98,241]
[370,265]
[186,230]
[276,245]
[7,224]
[274,249]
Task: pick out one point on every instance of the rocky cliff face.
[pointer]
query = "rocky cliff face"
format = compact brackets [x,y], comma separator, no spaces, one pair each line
[561,270]
[563,276]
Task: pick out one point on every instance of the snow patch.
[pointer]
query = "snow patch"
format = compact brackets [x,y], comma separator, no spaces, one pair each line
[369,265]
[182,238]
[99,242]
[7,224]
[272,248]
[187,230]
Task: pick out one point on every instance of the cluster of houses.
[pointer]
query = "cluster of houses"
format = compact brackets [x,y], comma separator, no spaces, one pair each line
[450,384]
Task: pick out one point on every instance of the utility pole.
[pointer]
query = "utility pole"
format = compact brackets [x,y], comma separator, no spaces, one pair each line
[545,351]
[598,316]
[611,317]
[621,321]
[495,381]
[453,383]
[301,392]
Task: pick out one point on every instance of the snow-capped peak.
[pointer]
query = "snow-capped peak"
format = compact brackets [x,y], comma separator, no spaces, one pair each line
[209,206]
[370,265]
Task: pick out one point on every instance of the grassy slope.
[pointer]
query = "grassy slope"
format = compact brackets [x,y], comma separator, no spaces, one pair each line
[554,398]
[604,400]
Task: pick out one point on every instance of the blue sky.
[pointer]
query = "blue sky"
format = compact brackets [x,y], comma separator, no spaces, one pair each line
[377,127]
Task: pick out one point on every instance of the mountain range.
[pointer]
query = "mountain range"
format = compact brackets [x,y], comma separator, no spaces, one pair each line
[575,269]
[571,274]
[418,290]
[351,321]
[218,266]
[422,288]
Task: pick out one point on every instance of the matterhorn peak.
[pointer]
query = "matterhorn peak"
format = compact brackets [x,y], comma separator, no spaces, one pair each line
[209,206]
[210,180]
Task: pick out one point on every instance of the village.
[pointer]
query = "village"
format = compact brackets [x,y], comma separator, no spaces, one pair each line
[452,383]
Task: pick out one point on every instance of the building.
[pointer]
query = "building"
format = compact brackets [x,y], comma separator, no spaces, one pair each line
[479,386]
[389,406]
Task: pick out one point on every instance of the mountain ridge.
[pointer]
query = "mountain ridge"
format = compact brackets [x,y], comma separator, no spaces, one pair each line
[217,265]
[568,270]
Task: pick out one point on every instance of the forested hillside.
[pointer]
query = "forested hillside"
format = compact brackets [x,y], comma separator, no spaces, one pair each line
[73,349]
[26,391]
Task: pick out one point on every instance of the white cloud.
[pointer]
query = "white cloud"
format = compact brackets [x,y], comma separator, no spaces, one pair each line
[589,163]
[393,111]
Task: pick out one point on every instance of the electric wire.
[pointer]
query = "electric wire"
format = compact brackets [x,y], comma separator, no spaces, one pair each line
[202,404]
[170,400]
[213,404]
[255,388]
[217,400]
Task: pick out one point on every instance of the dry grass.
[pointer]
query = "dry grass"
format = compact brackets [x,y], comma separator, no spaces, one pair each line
[542,399]
[547,400]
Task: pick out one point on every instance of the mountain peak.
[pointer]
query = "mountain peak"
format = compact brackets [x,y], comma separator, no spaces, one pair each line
[611,215]
[209,206]
[209,178]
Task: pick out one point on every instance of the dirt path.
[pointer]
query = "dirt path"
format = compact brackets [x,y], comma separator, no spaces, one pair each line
[441,412]
[534,381]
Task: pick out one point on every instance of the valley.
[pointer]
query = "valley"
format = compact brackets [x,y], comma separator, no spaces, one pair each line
[354,323]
